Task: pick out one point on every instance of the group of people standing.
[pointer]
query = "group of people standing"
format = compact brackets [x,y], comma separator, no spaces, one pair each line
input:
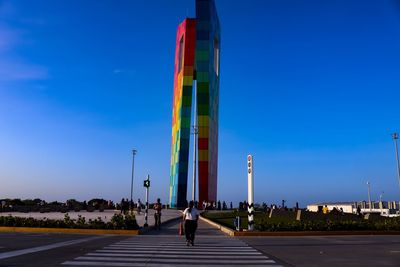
[207,205]
[126,206]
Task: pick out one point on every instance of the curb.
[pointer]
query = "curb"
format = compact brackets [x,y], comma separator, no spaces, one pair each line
[231,232]
[224,229]
[68,231]
[315,233]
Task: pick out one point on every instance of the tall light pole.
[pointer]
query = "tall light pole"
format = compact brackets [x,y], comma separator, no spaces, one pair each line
[395,138]
[195,132]
[134,151]
[369,195]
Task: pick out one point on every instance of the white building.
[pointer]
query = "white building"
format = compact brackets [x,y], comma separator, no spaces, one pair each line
[384,208]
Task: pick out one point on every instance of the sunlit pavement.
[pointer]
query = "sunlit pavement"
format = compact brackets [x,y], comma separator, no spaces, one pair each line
[156,248]
[106,215]
[337,251]
[212,248]
[167,248]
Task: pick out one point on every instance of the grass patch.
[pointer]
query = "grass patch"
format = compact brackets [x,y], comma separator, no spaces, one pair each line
[118,222]
[264,223]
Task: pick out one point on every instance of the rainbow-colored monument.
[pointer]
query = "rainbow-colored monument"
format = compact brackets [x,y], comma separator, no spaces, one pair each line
[197,63]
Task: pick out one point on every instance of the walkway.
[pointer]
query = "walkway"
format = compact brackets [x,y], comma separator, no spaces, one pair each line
[166,248]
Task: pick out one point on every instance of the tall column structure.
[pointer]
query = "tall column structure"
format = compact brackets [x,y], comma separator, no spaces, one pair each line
[181,113]
[197,57]
[207,75]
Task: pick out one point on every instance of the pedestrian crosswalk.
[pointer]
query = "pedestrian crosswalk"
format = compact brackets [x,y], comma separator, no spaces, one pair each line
[168,251]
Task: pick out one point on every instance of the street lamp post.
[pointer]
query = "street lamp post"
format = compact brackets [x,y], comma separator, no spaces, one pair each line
[134,151]
[195,132]
[395,138]
[369,195]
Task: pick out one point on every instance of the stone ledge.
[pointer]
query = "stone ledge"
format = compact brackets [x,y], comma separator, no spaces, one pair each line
[224,229]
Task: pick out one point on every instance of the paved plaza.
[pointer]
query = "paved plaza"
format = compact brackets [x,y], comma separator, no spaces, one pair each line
[167,214]
[156,248]
[166,248]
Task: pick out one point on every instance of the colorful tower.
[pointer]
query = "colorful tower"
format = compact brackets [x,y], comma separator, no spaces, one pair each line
[196,60]
[181,112]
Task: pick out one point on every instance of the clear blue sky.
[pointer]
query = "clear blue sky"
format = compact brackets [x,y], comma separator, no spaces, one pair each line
[310,88]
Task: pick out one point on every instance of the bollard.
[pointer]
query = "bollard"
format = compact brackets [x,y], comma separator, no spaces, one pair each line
[237,223]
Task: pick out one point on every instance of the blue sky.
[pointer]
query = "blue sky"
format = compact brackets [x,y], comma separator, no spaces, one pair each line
[310,88]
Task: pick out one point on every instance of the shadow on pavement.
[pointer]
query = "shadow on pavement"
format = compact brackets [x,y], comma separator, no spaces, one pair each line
[172,228]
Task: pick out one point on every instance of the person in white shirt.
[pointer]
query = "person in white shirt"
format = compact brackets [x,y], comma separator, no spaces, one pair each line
[190,216]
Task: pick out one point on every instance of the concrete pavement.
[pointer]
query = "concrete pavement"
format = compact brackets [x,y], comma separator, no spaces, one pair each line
[163,248]
[38,249]
[166,248]
[106,215]
[166,214]
[212,248]
[335,251]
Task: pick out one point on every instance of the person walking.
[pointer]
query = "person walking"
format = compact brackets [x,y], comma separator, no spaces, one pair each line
[190,216]
[157,214]
[139,206]
[122,204]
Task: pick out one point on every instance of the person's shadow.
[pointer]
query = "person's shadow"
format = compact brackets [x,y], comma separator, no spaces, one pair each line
[167,228]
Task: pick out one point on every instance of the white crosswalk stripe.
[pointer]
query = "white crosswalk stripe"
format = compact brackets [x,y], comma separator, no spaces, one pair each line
[166,251]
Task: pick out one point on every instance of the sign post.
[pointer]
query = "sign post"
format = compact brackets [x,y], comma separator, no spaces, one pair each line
[146,183]
[250,192]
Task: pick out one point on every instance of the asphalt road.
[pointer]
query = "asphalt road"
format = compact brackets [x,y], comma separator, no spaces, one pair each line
[29,243]
[330,250]
[212,248]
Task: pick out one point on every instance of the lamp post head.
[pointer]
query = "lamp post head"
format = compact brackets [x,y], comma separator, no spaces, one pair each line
[134,151]
[395,136]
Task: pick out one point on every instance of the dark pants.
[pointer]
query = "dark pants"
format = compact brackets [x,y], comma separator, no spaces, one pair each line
[157,220]
[190,229]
